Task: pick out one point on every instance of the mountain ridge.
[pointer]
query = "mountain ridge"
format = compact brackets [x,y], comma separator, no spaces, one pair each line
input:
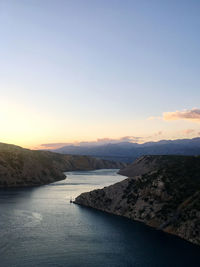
[128,152]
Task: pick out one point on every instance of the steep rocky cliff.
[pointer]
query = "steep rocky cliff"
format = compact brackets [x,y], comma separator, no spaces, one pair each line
[162,191]
[24,167]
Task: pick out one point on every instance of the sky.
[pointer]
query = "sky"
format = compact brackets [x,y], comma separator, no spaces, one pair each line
[93,70]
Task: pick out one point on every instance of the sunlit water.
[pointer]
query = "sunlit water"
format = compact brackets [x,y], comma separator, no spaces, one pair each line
[40,228]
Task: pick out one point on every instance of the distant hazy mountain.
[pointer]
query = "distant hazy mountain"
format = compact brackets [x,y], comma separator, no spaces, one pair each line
[127,152]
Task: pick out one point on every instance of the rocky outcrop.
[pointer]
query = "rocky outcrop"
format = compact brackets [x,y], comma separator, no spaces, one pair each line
[144,164]
[24,167]
[162,192]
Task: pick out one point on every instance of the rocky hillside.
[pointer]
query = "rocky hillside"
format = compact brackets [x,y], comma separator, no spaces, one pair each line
[161,191]
[24,167]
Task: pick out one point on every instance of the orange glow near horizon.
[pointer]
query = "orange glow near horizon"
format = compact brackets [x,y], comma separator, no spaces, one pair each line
[28,127]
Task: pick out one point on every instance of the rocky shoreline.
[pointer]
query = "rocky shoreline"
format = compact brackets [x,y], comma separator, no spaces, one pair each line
[162,191]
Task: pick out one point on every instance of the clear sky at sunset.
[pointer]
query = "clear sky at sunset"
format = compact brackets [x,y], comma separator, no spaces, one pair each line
[75,70]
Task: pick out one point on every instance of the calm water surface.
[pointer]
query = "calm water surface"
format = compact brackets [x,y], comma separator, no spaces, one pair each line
[40,228]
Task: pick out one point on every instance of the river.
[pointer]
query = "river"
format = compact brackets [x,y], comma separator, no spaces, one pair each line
[40,228]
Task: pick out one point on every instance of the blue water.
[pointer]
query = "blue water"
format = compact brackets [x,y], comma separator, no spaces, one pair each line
[40,228]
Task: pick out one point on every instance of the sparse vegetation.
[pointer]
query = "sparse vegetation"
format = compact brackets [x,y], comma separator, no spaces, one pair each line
[24,167]
[167,191]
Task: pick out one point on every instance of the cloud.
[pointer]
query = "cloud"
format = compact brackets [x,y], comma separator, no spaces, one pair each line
[191,115]
[130,139]
[158,133]
[99,141]
[188,131]
[153,136]
[121,139]
[55,144]
[52,145]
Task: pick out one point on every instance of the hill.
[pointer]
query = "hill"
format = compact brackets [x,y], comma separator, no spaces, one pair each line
[24,167]
[161,191]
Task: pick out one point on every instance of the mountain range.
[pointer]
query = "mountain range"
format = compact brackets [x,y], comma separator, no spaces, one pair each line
[128,152]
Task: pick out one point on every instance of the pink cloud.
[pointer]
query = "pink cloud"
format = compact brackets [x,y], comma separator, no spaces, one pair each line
[159,133]
[192,115]
[99,141]
[188,131]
